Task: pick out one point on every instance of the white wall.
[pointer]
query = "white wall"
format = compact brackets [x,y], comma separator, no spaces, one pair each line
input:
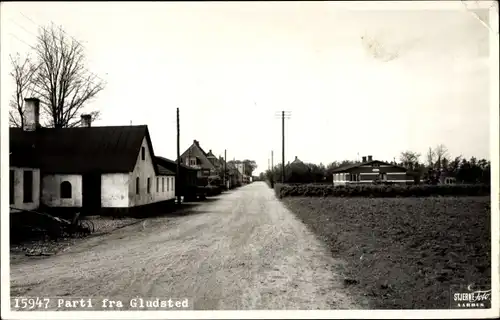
[115,190]
[166,193]
[18,189]
[143,170]
[51,190]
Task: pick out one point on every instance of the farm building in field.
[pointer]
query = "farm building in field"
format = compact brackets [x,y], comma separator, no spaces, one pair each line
[369,171]
[89,169]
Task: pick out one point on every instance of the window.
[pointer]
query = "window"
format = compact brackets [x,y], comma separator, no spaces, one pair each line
[192,162]
[65,190]
[173,186]
[157,185]
[137,185]
[28,186]
[168,184]
[12,186]
[162,184]
[143,153]
[149,185]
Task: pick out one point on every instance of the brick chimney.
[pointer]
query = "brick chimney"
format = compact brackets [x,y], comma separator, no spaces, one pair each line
[363,159]
[296,158]
[32,114]
[370,158]
[86,120]
[196,142]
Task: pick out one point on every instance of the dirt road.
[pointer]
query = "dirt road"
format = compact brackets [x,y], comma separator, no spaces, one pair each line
[243,251]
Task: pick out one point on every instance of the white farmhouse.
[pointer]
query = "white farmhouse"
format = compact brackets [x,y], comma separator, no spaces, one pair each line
[89,169]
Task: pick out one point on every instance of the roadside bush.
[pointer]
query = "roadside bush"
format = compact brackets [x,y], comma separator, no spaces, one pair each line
[380,191]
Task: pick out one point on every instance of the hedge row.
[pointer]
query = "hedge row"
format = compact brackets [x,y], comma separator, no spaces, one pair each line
[380,191]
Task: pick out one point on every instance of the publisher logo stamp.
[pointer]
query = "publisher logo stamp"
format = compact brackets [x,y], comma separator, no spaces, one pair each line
[470,297]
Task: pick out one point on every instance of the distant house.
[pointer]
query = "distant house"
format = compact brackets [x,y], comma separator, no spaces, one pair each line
[87,168]
[234,177]
[196,157]
[447,180]
[187,180]
[298,171]
[369,171]
[165,182]
[242,169]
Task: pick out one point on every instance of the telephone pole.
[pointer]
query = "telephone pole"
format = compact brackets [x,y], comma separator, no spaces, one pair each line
[225,168]
[272,161]
[178,173]
[287,115]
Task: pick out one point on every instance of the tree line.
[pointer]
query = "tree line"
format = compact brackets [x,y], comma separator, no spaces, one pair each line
[436,165]
[54,72]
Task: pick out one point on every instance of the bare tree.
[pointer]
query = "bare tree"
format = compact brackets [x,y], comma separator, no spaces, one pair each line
[62,80]
[409,159]
[22,74]
[431,154]
[441,153]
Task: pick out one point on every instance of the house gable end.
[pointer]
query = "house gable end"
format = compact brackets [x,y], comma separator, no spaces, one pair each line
[196,151]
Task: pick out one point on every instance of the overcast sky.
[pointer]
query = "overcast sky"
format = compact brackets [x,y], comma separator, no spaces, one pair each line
[372,82]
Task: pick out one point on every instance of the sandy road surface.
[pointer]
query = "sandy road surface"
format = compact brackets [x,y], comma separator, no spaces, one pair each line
[242,251]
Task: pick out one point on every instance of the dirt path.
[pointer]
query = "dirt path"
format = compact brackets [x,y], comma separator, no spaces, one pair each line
[243,251]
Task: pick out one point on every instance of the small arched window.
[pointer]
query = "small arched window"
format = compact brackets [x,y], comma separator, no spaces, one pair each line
[66,190]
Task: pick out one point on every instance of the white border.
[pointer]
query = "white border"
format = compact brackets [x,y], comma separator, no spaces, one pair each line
[494,154]
[272,314]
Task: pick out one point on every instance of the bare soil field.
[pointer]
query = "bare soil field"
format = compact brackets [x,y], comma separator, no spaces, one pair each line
[404,253]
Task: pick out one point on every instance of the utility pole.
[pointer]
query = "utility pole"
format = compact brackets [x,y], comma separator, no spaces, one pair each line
[225,168]
[272,169]
[178,173]
[272,161]
[283,146]
[272,166]
[283,115]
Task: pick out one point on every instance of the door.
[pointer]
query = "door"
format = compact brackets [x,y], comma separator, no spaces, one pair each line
[91,191]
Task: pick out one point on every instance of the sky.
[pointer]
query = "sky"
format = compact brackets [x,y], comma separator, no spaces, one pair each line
[354,79]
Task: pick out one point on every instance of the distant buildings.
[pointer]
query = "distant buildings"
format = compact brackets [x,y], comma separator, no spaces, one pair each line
[95,170]
[370,170]
[213,170]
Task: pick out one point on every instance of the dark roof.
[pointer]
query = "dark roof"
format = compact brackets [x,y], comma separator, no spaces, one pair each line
[356,165]
[195,150]
[171,164]
[210,154]
[113,149]
[297,161]
[164,171]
